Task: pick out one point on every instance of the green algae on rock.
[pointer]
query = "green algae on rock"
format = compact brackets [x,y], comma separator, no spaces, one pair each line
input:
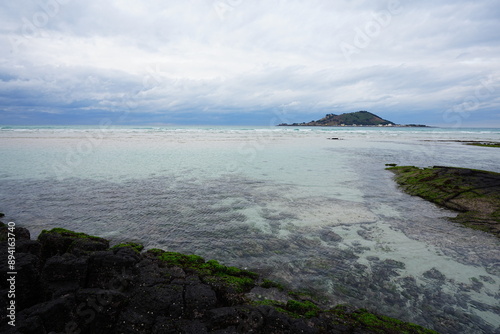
[346,317]
[212,272]
[160,291]
[67,233]
[267,284]
[377,323]
[132,245]
[294,308]
[475,194]
[60,241]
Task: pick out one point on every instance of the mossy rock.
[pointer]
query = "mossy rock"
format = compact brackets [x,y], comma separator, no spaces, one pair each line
[231,283]
[306,309]
[137,247]
[474,193]
[293,308]
[268,284]
[353,318]
[182,260]
[68,233]
[155,252]
[363,319]
[60,241]
[212,272]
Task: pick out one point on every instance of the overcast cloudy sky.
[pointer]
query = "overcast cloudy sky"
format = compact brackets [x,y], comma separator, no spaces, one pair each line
[255,62]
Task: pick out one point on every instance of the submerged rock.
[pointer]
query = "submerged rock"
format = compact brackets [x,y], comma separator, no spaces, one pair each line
[328,235]
[434,274]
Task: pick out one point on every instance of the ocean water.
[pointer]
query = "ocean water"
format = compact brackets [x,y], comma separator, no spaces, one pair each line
[316,214]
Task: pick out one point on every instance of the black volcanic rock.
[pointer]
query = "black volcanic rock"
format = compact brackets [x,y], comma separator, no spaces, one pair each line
[475,194]
[60,241]
[66,285]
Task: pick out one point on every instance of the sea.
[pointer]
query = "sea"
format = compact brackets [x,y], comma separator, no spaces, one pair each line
[313,208]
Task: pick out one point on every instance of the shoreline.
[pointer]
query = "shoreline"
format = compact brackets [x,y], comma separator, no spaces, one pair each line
[474,194]
[73,281]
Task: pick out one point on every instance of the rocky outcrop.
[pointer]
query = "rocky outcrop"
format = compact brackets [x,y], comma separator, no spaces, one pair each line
[475,194]
[363,118]
[69,282]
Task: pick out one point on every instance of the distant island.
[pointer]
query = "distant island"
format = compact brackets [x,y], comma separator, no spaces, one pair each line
[358,118]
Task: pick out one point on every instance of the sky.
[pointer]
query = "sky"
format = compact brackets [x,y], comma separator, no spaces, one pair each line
[248,62]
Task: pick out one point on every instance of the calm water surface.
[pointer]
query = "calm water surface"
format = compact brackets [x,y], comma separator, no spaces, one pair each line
[316,214]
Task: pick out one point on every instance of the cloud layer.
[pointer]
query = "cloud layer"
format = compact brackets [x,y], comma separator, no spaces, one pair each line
[249,62]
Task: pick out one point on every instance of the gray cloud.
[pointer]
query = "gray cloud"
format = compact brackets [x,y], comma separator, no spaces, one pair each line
[411,60]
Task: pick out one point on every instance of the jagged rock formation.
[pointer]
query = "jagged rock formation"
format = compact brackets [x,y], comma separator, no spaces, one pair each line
[70,282]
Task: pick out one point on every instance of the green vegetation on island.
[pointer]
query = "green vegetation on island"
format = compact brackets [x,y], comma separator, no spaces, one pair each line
[475,194]
[358,118]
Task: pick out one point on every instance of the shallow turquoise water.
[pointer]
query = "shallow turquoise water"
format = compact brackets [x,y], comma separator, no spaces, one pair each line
[314,213]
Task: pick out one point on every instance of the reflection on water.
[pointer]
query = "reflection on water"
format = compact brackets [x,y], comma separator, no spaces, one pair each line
[315,214]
